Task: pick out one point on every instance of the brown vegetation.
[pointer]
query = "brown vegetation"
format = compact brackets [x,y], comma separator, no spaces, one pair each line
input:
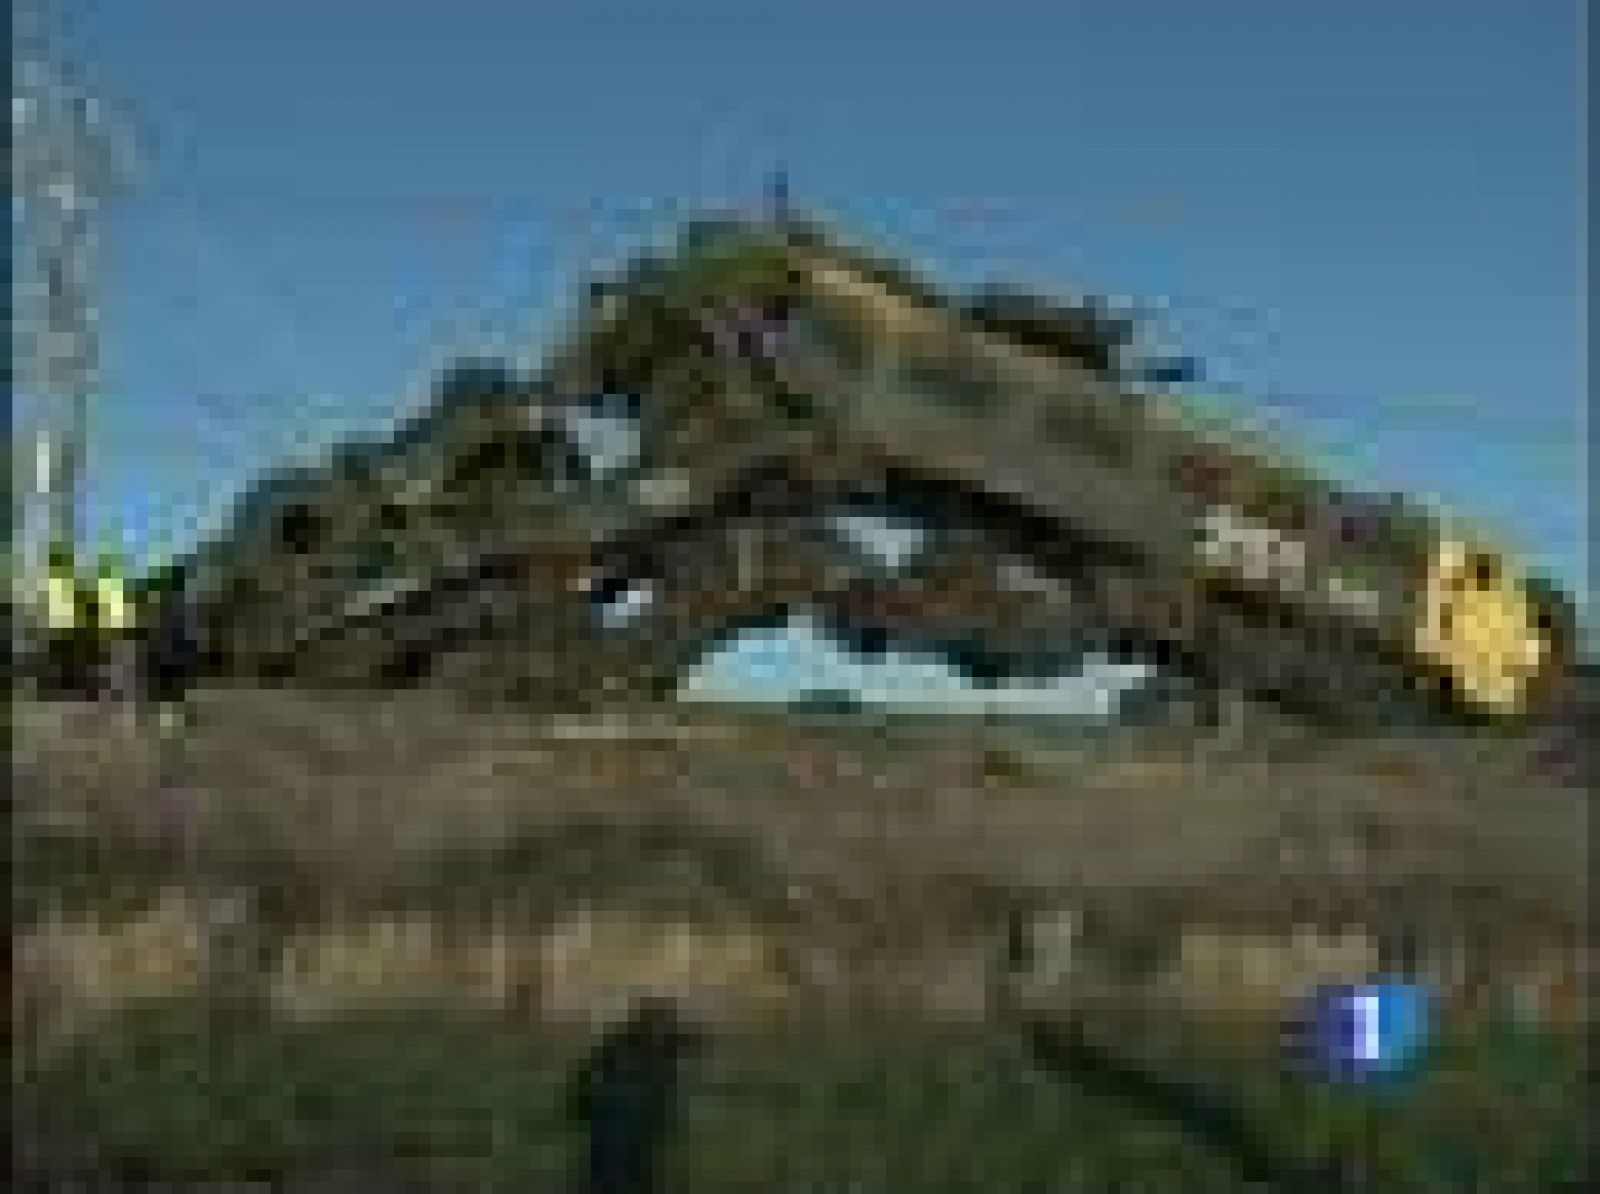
[451,846]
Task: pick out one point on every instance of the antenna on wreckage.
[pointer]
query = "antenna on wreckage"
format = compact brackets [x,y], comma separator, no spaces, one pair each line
[778,207]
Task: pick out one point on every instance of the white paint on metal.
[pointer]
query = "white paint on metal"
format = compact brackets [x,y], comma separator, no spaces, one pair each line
[628,606]
[665,489]
[890,542]
[1230,541]
[610,441]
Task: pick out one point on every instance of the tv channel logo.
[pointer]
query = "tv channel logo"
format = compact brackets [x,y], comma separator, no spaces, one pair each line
[1361,1032]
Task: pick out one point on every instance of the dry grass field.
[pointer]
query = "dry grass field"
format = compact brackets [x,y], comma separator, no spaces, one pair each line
[903,842]
[380,856]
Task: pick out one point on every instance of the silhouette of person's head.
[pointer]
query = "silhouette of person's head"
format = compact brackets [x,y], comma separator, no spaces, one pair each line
[659,1024]
[626,1092]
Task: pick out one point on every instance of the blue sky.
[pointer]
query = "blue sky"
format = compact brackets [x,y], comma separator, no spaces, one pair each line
[800,658]
[1367,212]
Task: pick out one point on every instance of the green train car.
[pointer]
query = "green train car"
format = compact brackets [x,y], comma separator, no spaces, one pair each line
[771,363]
[891,366]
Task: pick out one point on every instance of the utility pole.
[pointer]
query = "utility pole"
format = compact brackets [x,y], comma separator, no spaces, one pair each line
[65,159]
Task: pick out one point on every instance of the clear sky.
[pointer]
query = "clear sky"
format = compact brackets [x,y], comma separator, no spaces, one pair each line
[799,659]
[1368,212]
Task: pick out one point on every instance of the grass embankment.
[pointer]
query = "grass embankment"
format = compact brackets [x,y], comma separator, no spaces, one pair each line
[383,811]
[470,1100]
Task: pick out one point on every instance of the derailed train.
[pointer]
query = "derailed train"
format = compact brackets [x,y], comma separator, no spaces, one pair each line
[777,375]
[1255,571]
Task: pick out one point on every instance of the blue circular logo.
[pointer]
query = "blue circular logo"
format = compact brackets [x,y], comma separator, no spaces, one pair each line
[1358,1032]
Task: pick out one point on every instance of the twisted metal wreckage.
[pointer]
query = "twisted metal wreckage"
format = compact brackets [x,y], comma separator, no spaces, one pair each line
[772,381]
